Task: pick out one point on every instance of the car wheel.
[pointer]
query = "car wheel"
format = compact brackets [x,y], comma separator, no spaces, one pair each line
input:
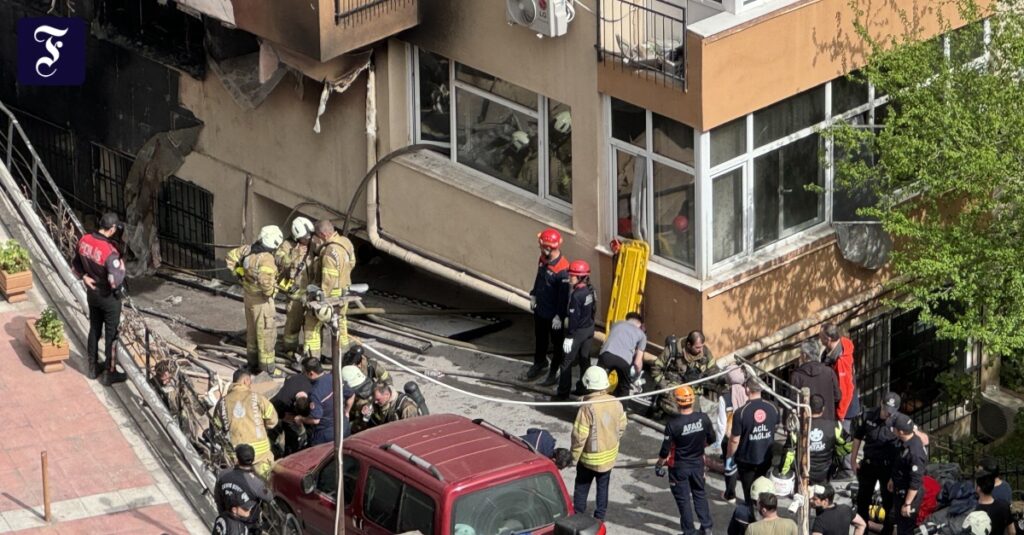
[292,526]
[285,521]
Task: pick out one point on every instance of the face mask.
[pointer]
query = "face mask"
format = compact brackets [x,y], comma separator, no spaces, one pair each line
[547,252]
[818,509]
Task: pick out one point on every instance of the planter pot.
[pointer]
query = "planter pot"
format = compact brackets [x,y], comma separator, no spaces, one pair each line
[49,356]
[14,285]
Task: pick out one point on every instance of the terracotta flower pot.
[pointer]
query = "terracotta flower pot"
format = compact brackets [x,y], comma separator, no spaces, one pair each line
[14,285]
[50,357]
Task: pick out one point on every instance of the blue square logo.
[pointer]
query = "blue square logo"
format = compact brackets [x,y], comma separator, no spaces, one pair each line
[51,51]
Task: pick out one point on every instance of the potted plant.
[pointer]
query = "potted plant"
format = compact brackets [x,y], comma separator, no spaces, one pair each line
[46,341]
[15,277]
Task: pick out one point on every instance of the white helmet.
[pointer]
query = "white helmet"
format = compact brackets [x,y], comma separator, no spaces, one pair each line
[324,313]
[595,378]
[979,523]
[301,228]
[271,236]
[563,122]
[520,139]
[353,376]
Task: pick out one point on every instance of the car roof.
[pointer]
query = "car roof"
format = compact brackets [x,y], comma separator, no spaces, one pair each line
[457,447]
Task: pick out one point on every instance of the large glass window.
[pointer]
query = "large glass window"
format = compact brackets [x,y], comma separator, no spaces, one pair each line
[502,130]
[417,512]
[789,116]
[728,141]
[727,215]
[655,197]
[521,506]
[381,499]
[782,201]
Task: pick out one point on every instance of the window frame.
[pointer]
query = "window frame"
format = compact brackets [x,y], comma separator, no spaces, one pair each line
[540,114]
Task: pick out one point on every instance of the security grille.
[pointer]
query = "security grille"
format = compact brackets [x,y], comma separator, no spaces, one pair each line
[871,347]
[185,224]
[109,174]
[55,146]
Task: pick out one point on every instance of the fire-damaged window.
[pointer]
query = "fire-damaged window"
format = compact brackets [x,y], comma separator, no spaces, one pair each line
[502,130]
[161,33]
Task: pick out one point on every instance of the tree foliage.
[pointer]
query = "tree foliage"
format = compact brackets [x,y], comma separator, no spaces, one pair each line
[947,170]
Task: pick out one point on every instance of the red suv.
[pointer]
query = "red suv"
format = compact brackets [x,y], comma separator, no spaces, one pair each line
[440,474]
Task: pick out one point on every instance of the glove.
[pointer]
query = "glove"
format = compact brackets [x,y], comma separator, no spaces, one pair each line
[533,302]
[567,346]
[660,471]
[556,323]
[324,314]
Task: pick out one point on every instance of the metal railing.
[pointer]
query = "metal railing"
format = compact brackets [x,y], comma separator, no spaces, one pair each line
[967,455]
[646,37]
[352,12]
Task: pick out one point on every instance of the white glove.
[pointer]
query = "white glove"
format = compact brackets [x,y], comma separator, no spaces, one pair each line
[556,323]
[533,302]
[567,346]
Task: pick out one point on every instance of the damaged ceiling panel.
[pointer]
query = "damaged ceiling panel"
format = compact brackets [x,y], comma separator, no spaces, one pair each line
[221,10]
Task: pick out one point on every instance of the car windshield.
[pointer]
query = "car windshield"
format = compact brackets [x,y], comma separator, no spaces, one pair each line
[510,508]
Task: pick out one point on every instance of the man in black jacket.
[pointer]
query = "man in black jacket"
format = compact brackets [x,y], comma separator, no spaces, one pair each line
[579,329]
[819,378]
[547,300]
[241,485]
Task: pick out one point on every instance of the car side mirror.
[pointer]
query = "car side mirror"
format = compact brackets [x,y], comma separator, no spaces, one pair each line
[308,484]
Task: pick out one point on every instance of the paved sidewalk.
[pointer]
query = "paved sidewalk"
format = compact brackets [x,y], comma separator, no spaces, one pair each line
[103,477]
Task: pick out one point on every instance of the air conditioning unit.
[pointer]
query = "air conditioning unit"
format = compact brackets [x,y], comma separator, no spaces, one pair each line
[997,412]
[548,18]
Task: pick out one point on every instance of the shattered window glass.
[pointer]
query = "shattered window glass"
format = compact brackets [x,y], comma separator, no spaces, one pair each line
[496,140]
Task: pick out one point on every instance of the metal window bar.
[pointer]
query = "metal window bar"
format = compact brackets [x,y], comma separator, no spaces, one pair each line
[109,175]
[55,146]
[871,344]
[355,12]
[185,224]
[646,37]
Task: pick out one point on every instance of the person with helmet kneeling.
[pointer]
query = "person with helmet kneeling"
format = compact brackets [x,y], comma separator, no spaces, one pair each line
[355,356]
[391,406]
[293,257]
[362,403]
[595,440]
[686,436]
[256,270]
[579,332]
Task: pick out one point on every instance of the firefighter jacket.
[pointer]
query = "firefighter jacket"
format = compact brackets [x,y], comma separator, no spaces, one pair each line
[596,432]
[551,286]
[676,366]
[245,416]
[400,407]
[335,262]
[293,259]
[99,258]
[375,371]
[256,269]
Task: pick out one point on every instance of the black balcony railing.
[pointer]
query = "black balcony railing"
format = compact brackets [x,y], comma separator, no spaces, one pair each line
[647,37]
[356,11]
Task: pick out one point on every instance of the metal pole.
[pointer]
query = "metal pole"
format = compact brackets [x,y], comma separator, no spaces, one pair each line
[339,415]
[46,488]
[803,449]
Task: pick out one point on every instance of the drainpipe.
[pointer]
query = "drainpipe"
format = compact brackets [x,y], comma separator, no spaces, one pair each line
[480,283]
[77,288]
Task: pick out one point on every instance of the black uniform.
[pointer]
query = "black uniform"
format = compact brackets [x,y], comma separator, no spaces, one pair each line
[580,313]
[227,524]
[686,435]
[99,258]
[907,474]
[881,447]
[551,291]
[241,485]
[755,424]
[823,448]
[284,403]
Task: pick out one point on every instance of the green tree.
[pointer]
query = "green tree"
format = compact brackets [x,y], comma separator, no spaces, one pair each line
[947,170]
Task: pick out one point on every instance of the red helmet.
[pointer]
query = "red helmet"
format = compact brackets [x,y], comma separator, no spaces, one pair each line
[579,268]
[681,223]
[550,238]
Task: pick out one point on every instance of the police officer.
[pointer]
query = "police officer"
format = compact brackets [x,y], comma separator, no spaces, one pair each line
[907,475]
[293,258]
[235,520]
[682,361]
[686,436]
[547,298]
[751,438]
[320,422]
[240,481]
[881,447]
[256,269]
[579,332]
[332,272]
[356,356]
[98,262]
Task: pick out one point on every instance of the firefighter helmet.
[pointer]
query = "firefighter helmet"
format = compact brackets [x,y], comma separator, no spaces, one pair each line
[353,376]
[579,268]
[550,238]
[271,236]
[301,228]
[684,395]
[595,378]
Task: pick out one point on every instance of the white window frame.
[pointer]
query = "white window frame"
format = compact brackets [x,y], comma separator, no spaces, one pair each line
[650,157]
[540,114]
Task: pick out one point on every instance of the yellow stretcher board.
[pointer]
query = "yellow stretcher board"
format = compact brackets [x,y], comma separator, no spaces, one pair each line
[630,277]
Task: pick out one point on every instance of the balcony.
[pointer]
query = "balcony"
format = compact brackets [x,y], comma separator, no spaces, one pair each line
[325,29]
[646,38]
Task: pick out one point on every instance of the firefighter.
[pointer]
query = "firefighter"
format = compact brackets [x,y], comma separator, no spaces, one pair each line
[255,268]
[595,441]
[331,272]
[356,356]
[686,437]
[246,416]
[391,406]
[242,482]
[907,475]
[98,262]
[547,298]
[362,404]
[682,361]
[579,331]
[293,257]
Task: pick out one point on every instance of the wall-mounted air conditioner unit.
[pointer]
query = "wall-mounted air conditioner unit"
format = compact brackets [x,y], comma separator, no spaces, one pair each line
[547,18]
[997,412]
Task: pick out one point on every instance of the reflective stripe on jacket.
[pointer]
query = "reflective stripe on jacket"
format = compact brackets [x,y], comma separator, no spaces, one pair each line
[596,432]
[245,416]
[259,270]
[337,259]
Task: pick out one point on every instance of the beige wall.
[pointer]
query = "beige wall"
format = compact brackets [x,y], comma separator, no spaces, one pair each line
[275,145]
